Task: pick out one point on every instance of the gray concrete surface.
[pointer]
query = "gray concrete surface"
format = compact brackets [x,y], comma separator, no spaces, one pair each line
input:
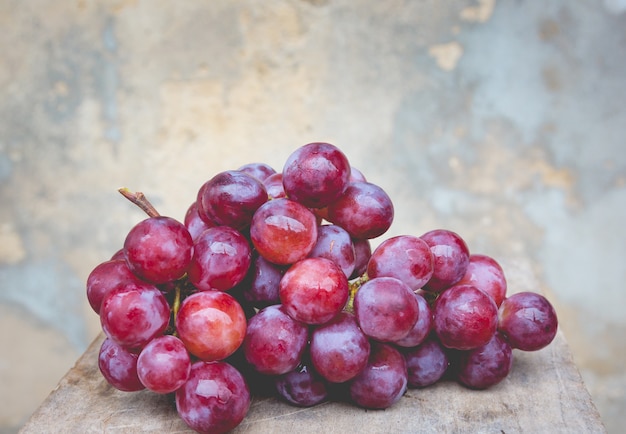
[503,121]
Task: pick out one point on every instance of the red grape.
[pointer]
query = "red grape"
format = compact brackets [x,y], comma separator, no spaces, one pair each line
[334,243]
[485,273]
[316,174]
[426,363]
[303,386]
[215,399]
[384,379]
[422,326]
[528,320]
[194,223]
[274,341]
[485,366]
[362,254]
[274,186]
[314,290]
[163,365]
[386,309]
[364,210]
[211,324]
[221,259]
[259,170]
[119,367]
[283,231]
[451,257]
[104,277]
[465,317]
[260,287]
[159,249]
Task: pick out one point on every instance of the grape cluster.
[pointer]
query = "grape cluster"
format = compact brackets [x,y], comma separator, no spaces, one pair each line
[271,281]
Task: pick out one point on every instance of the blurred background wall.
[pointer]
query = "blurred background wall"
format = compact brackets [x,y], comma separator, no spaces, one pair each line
[501,120]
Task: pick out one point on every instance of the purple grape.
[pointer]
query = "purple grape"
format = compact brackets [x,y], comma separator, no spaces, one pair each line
[164,365]
[215,398]
[119,367]
[334,243]
[158,249]
[316,174]
[422,327]
[528,320]
[303,386]
[260,287]
[384,379]
[259,170]
[231,198]
[274,186]
[194,223]
[485,366]
[274,342]
[364,210]
[404,257]
[386,309]
[362,254]
[451,257]
[221,259]
[486,274]
[465,317]
[104,277]
[339,349]
[426,363]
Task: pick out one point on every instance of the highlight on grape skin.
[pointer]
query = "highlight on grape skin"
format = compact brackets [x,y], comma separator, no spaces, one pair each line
[271,284]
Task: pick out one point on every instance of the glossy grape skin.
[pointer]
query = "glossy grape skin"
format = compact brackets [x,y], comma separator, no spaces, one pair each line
[356,175]
[362,254]
[451,258]
[134,313]
[528,320]
[465,317]
[485,366]
[485,273]
[104,277]
[194,223]
[163,364]
[339,349]
[364,210]
[386,309]
[383,381]
[422,327]
[314,290]
[158,249]
[260,287]
[119,367]
[274,342]
[215,398]
[334,243]
[274,186]
[316,174]
[302,387]
[211,324]
[231,198]
[283,231]
[404,257]
[259,170]
[221,259]
[426,363]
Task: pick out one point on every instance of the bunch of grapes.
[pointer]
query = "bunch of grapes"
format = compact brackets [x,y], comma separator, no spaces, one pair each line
[271,281]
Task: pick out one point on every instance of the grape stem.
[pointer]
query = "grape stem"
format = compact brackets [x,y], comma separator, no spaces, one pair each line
[354,287]
[140,200]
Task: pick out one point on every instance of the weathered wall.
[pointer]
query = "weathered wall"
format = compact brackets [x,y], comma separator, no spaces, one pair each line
[502,121]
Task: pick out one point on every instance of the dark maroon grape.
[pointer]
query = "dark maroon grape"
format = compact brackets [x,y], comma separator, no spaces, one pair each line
[485,366]
[221,259]
[362,254]
[215,399]
[274,342]
[194,223]
[119,367]
[259,170]
[364,210]
[260,287]
[164,365]
[158,249]
[404,257]
[104,278]
[334,243]
[314,290]
[426,363]
[283,231]
[451,257]
[339,349]
[303,386]
[383,381]
[231,198]
[528,320]
[465,317]
[316,174]
[486,274]
[386,309]
[422,326]
[134,313]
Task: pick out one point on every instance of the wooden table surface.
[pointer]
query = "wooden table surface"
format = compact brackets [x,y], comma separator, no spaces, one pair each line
[543,393]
